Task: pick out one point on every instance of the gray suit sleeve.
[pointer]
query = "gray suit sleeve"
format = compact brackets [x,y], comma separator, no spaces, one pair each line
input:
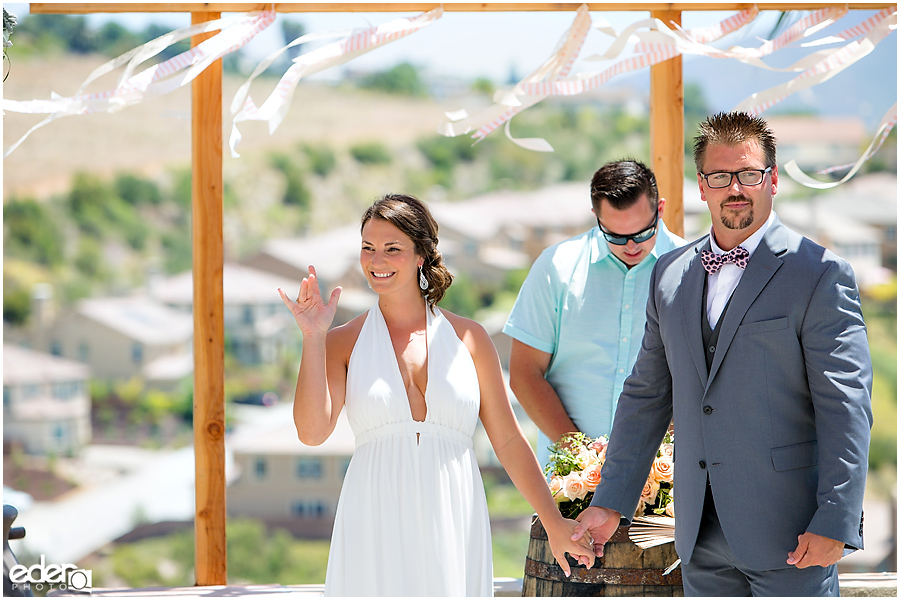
[839,371]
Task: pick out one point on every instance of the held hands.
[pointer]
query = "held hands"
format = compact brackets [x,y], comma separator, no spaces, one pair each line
[599,524]
[311,313]
[562,538]
[815,551]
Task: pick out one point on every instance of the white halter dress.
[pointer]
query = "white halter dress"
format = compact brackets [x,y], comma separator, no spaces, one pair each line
[412,518]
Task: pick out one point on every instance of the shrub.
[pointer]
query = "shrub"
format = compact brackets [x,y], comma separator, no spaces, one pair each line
[401,79]
[372,153]
[31,234]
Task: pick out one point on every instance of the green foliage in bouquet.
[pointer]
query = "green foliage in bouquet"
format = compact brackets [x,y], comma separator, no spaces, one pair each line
[575,469]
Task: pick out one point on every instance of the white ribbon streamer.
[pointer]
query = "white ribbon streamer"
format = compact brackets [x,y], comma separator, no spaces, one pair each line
[887,124]
[877,28]
[357,43]
[654,42]
[509,103]
[154,81]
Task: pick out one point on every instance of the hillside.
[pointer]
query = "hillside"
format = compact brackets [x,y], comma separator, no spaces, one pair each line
[155,135]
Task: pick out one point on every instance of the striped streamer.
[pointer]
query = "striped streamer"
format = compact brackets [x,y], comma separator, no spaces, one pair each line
[888,121]
[155,80]
[354,44]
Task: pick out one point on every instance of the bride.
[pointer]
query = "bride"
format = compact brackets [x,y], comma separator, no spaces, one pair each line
[412,518]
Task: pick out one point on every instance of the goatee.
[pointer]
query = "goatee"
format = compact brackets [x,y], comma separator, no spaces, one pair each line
[733,223]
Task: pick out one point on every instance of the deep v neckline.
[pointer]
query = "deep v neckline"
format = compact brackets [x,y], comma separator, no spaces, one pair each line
[428,335]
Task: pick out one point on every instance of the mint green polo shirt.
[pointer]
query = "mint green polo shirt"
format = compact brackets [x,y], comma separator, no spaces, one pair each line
[582,305]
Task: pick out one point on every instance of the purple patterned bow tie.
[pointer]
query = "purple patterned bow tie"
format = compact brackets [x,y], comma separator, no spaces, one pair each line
[712,262]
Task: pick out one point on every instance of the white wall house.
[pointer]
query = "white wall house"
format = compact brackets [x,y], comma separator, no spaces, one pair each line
[46,402]
[257,324]
[284,482]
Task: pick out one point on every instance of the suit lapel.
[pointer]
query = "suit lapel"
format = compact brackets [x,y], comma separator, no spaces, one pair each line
[762,266]
[692,284]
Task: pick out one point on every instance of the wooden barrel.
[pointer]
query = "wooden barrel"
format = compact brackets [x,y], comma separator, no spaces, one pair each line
[624,570]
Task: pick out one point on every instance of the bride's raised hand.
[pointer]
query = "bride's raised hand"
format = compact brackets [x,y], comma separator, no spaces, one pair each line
[311,313]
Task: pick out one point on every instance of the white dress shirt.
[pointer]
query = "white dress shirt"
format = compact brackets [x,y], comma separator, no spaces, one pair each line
[720,285]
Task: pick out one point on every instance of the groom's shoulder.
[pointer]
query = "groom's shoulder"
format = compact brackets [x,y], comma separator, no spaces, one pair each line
[681,254]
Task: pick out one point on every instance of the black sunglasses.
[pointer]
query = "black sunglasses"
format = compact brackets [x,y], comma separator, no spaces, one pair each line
[638,238]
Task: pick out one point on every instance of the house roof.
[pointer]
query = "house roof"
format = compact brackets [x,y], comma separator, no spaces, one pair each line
[331,252]
[826,226]
[143,319]
[23,366]
[790,130]
[241,285]
[485,216]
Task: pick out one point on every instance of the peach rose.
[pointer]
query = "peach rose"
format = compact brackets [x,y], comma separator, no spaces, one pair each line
[591,476]
[663,469]
[670,509]
[599,445]
[556,485]
[586,457]
[574,487]
[651,489]
[667,450]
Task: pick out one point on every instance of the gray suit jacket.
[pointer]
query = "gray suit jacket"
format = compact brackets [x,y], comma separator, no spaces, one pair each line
[780,424]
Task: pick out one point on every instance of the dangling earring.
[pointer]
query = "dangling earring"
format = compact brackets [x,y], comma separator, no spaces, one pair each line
[423,283]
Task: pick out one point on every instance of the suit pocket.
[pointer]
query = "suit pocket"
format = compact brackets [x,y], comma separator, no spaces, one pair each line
[763,326]
[796,456]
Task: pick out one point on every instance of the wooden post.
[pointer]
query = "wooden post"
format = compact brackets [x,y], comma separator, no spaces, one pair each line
[667,130]
[211,564]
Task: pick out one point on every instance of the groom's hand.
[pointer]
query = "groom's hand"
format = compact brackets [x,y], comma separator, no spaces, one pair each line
[815,551]
[600,523]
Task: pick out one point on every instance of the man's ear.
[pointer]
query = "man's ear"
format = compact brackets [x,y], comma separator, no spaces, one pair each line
[661,207]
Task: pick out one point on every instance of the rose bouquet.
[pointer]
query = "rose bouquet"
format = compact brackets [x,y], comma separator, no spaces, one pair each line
[575,470]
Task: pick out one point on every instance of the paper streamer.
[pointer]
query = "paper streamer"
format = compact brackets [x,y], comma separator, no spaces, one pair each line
[534,88]
[155,80]
[508,104]
[887,124]
[876,29]
[355,44]
[654,42]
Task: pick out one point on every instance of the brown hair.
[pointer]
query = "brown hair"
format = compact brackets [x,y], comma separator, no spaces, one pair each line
[411,216]
[621,183]
[731,129]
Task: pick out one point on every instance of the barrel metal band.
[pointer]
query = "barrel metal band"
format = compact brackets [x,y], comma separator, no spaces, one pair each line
[615,576]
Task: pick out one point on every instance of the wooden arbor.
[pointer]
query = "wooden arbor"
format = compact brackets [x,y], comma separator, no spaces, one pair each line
[666,132]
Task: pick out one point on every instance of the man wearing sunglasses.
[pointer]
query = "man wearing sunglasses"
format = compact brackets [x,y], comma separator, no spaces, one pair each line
[579,317]
[756,345]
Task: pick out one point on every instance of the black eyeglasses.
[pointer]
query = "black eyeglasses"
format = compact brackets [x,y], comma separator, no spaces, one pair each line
[722,179]
[638,238]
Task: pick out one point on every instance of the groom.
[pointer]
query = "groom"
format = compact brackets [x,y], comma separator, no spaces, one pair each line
[756,345]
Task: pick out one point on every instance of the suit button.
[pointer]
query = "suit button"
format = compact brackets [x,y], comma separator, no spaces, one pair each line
[702,464]
[712,349]
[708,410]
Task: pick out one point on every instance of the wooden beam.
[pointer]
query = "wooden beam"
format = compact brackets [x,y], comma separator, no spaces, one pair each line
[376,7]
[667,130]
[209,328]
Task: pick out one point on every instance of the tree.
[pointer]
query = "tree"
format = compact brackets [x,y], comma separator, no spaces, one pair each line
[31,234]
[401,79]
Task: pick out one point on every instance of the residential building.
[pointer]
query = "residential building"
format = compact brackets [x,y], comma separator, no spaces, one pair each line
[257,324]
[489,235]
[119,337]
[285,482]
[334,254]
[46,402]
[818,142]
